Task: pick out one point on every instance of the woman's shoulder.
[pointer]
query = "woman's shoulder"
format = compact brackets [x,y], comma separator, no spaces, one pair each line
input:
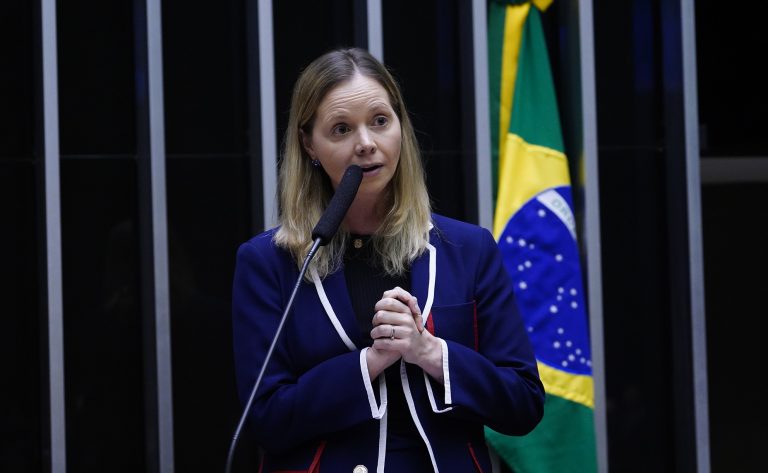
[263,245]
[263,239]
[458,231]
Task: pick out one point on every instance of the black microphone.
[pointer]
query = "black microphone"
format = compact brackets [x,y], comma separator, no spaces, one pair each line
[337,208]
[322,234]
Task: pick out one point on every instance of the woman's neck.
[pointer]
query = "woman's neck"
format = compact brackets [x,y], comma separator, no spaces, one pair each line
[365,215]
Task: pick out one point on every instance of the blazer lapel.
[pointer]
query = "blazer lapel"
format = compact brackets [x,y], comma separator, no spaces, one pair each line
[339,310]
[423,275]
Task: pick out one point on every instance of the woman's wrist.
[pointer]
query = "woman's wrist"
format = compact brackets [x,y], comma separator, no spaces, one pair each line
[431,358]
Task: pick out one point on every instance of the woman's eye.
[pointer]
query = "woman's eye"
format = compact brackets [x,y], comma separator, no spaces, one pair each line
[380,120]
[340,129]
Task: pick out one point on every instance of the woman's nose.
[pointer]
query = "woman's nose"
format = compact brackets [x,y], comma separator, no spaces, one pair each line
[365,144]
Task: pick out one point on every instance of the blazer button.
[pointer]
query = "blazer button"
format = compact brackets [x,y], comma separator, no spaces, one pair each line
[360,469]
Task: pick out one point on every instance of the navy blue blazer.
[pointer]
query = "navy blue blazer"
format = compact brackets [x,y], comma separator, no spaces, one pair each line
[317,408]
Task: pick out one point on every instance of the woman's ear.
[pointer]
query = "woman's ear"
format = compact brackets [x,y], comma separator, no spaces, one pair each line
[306,143]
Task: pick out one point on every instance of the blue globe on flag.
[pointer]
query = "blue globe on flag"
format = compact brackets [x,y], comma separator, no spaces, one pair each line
[541,255]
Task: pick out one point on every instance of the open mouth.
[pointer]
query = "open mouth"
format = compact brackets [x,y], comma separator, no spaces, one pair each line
[370,169]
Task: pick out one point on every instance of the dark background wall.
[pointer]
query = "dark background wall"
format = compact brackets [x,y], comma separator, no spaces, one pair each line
[214,203]
[634,236]
[641,166]
[21,348]
[733,123]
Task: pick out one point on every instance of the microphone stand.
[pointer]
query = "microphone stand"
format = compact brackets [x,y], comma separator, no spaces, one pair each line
[317,243]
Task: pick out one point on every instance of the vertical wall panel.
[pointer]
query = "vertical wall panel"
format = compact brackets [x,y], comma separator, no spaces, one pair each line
[153,232]
[651,260]
[591,223]
[634,218]
[261,19]
[681,156]
[47,148]
[482,115]
[373,27]
[103,337]
[210,199]
[698,344]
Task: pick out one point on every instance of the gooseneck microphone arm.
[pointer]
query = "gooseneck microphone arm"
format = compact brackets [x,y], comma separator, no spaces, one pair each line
[322,234]
[248,405]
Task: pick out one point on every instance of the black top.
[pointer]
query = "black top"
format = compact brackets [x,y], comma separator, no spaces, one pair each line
[366,282]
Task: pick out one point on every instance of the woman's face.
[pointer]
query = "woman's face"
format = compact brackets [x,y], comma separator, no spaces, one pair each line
[355,124]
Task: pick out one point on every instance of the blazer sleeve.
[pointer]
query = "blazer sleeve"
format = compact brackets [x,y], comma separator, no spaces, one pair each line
[290,407]
[499,383]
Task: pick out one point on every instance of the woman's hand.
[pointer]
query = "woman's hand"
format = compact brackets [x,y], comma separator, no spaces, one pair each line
[398,328]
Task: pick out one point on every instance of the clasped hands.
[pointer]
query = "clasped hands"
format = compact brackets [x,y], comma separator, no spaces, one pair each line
[398,332]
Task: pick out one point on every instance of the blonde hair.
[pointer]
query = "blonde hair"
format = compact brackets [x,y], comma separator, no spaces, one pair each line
[304,190]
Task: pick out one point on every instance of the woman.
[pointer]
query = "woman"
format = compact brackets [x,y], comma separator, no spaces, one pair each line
[404,340]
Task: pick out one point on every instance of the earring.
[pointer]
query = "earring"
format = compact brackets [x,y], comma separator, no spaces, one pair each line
[316,163]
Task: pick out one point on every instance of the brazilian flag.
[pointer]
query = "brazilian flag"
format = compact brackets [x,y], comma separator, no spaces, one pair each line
[536,233]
